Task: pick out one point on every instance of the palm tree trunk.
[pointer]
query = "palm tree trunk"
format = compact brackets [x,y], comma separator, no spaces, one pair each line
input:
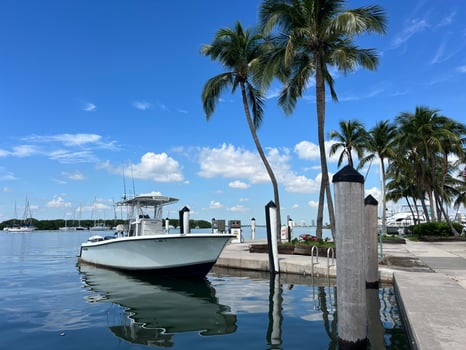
[325,184]
[447,218]
[273,179]
[384,199]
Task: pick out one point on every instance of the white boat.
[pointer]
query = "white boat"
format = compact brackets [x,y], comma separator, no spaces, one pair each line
[99,226]
[67,228]
[19,228]
[401,220]
[155,310]
[146,248]
[25,224]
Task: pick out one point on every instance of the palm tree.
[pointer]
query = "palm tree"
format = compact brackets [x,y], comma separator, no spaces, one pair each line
[450,146]
[318,35]
[427,135]
[430,139]
[379,142]
[240,51]
[403,183]
[351,137]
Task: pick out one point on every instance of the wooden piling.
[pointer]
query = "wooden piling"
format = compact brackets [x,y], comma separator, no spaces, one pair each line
[350,244]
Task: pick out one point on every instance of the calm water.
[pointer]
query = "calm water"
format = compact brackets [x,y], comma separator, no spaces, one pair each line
[47,301]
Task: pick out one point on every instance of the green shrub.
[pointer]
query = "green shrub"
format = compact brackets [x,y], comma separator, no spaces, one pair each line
[435,229]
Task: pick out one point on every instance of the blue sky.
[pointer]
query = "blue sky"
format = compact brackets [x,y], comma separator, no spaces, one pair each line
[89,88]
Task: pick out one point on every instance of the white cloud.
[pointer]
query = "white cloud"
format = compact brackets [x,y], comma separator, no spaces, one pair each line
[88,107]
[64,148]
[446,21]
[238,184]
[75,139]
[356,97]
[442,54]
[274,92]
[163,107]
[412,28]
[6,175]
[310,151]
[99,206]
[238,209]
[71,140]
[301,184]
[374,192]
[307,150]
[461,69]
[230,162]
[313,204]
[70,157]
[156,167]
[24,151]
[215,205]
[58,202]
[142,105]
[76,175]
[60,182]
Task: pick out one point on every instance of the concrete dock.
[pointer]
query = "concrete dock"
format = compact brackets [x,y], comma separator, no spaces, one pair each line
[429,279]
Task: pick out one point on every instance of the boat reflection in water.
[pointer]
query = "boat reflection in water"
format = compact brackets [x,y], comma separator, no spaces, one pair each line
[157,309]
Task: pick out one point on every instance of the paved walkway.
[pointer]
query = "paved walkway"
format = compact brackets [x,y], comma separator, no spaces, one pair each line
[430,280]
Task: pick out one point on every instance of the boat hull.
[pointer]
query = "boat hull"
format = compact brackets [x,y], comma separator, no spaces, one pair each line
[174,254]
[19,229]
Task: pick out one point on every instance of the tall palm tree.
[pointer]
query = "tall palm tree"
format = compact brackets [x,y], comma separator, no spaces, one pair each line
[351,137]
[239,51]
[403,183]
[425,133]
[450,146]
[317,35]
[379,142]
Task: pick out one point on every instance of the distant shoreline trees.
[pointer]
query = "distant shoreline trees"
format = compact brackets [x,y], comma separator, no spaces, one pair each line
[50,225]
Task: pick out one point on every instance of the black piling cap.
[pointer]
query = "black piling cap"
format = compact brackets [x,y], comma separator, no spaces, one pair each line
[270,204]
[369,200]
[348,174]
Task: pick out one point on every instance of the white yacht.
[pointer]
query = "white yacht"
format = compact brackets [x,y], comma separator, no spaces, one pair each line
[146,247]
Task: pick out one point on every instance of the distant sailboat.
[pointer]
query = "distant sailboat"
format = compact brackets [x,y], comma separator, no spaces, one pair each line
[98,225]
[74,228]
[66,227]
[79,227]
[25,224]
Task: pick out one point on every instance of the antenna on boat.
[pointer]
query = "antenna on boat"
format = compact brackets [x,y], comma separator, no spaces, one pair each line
[132,178]
[114,209]
[124,184]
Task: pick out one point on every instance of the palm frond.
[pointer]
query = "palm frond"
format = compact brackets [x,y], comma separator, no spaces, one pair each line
[212,91]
